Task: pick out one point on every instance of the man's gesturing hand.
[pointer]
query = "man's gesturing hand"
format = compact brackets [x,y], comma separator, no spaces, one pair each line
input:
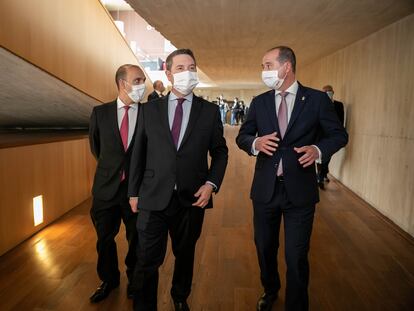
[311,154]
[267,144]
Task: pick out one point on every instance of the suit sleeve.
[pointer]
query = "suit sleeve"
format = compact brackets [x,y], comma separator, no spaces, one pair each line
[137,164]
[94,135]
[248,131]
[219,153]
[334,135]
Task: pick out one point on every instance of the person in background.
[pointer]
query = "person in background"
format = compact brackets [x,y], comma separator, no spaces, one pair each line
[223,111]
[111,132]
[241,114]
[323,168]
[234,111]
[158,90]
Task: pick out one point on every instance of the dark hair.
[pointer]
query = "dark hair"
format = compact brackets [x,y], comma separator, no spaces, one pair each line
[170,57]
[285,54]
[122,72]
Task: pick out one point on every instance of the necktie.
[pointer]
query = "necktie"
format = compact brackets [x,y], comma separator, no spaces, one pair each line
[282,117]
[178,118]
[124,133]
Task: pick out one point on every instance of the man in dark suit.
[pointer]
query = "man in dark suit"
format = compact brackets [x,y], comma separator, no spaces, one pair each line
[171,182]
[158,90]
[111,132]
[323,168]
[281,129]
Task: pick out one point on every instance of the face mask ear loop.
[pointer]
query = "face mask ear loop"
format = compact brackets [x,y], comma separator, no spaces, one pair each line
[285,75]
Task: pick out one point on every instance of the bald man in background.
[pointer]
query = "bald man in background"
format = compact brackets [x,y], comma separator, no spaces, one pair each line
[111,132]
[158,90]
[323,168]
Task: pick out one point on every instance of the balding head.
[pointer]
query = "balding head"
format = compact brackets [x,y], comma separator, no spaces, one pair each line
[127,76]
[328,88]
[159,86]
[124,70]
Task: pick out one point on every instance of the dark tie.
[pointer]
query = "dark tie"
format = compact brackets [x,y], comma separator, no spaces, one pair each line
[282,117]
[124,128]
[124,133]
[178,119]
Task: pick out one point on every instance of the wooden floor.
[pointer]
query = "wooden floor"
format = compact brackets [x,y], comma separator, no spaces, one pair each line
[358,261]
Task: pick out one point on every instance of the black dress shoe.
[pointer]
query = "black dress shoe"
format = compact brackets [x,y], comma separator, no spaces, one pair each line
[102,292]
[265,302]
[130,292]
[181,306]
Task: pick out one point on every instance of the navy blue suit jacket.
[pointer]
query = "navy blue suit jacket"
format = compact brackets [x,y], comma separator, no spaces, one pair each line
[312,114]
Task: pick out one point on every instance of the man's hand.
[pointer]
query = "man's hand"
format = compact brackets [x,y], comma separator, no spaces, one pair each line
[311,154]
[203,194]
[134,204]
[267,144]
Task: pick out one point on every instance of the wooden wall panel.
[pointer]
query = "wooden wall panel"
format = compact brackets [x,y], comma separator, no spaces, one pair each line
[74,40]
[374,79]
[61,171]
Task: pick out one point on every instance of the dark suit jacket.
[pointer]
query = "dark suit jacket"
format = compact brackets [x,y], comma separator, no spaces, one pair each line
[106,145]
[312,113]
[156,165]
[153,95]
[339,108]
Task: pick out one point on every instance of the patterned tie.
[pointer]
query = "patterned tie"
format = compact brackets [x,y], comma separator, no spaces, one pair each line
[178,118]
[282,117]
[124,133]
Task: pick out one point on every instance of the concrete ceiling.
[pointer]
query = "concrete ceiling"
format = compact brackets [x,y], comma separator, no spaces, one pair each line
[229,37]
[30,97]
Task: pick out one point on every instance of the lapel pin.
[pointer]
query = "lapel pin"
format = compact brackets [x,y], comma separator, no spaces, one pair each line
[303,97]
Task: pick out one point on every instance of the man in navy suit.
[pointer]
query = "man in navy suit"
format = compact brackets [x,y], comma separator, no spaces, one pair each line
[282,130]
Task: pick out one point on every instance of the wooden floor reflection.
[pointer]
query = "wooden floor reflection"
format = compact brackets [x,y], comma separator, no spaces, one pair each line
[358,261]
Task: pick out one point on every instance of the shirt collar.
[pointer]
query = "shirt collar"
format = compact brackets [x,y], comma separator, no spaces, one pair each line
[120,104]
[293,89]
[188,97]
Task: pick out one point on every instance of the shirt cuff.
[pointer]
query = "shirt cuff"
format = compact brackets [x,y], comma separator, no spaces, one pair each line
[133,198]
[253,149]
[318,160]
[212,184]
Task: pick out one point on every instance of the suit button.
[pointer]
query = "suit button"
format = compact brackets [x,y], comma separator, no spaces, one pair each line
[276,165]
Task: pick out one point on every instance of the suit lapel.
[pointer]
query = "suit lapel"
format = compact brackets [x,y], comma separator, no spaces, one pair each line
[297,107]
[271,107]
[135,128]
[163,113]
[113,119]
[194,114]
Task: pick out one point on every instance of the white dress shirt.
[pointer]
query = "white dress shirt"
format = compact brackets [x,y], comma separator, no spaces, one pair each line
[132,117]
[172,105]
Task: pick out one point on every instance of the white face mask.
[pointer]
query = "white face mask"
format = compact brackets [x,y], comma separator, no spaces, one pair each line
[137,92]
[330,94]
[271,79]
[185,82]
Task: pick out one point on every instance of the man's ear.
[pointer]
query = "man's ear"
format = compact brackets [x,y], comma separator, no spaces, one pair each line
[169,76]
